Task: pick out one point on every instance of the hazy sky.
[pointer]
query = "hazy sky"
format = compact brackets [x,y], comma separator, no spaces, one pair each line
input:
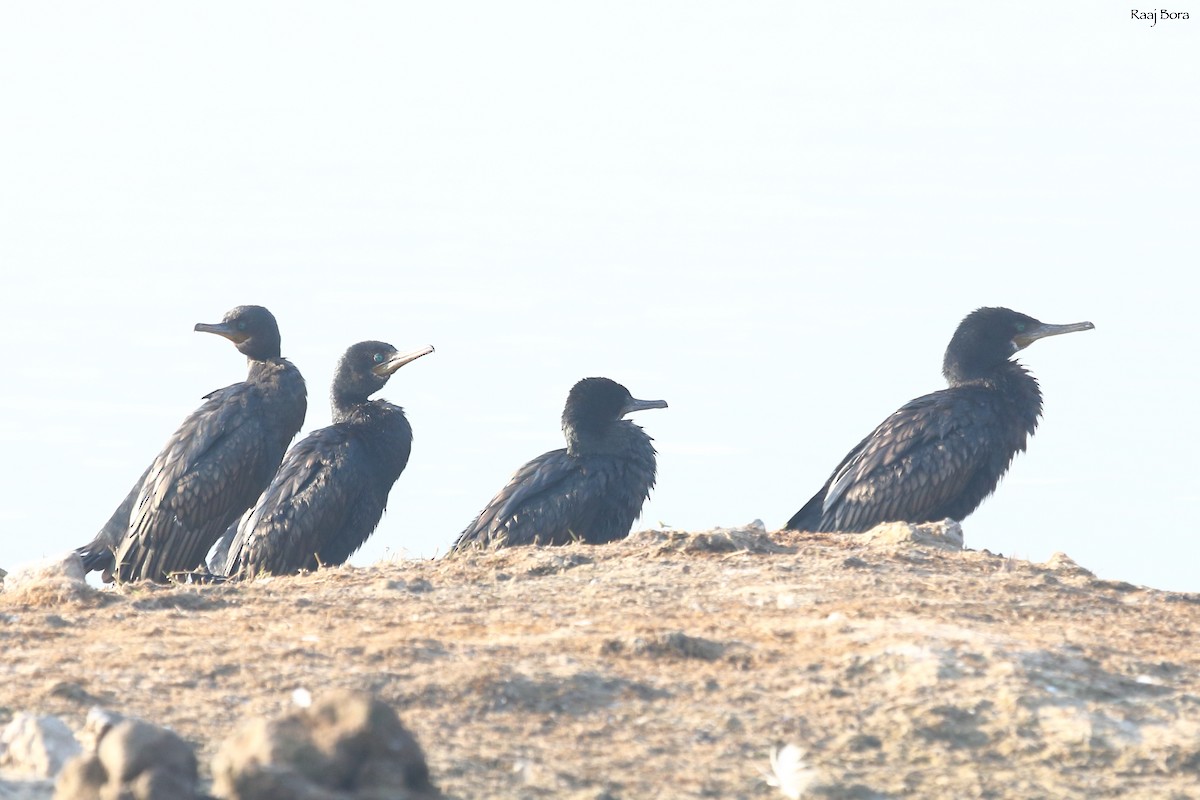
[771,215]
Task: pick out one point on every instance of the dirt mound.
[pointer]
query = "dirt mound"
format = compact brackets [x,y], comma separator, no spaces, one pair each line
[670,665]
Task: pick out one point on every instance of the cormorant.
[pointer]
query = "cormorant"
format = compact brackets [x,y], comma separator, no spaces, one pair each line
[333,486]
[591,491]
[215,464]
[940,455]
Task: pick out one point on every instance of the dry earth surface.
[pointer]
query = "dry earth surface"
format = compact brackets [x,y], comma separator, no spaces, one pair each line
[667,665]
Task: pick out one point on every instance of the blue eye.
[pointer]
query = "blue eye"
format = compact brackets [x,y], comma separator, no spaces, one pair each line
[379,358]
[241,326]
[1020,327]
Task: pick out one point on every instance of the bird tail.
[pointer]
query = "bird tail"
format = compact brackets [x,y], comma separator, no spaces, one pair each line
[222,559]
[99,554]
[809,517]
[96,556]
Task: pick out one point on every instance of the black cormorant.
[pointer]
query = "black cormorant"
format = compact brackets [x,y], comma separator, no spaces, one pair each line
[214,466]
[333,486]
[940,455]
[592,491]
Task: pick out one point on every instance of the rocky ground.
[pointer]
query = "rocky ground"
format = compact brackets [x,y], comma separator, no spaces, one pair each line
[667,665]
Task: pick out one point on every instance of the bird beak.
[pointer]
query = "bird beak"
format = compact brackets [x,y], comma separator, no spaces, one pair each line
[223,329]
[1042,330]
[400,359]
[641,405]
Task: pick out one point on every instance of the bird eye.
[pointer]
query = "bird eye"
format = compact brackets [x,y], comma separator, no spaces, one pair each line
[1020,327]
[241,326]
[379,358]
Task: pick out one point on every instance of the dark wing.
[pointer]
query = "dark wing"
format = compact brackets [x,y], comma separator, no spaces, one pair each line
[532,506]
[98,554]
[321,507]
[210,471]
[914,467]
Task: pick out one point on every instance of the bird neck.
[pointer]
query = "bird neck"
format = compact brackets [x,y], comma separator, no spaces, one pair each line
[614,438]
[1002,374]
[347,405]
[364,411]
[267,370]
[280,386]
[1013,383]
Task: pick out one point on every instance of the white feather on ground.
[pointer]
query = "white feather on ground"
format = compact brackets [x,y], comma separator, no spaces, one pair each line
[789,771]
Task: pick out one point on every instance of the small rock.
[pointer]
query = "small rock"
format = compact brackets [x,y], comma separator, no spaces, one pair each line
[134,760]
[48,582]
[751,538]
[944,535]
[346,746]
[36,746]
[1061,562]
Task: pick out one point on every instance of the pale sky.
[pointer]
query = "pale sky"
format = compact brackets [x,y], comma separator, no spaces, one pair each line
[771,215]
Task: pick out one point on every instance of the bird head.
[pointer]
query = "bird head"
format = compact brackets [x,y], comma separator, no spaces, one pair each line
[365,367]
[252,329]
[595,403]
[987,337]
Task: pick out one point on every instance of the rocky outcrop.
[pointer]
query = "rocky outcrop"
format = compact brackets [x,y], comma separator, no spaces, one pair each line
[346,746]
[34,746]
[132,760]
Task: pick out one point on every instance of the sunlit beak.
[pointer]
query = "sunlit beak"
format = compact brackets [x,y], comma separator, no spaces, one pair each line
[1042,330]
[223,329]
[400,359]
[641,405]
